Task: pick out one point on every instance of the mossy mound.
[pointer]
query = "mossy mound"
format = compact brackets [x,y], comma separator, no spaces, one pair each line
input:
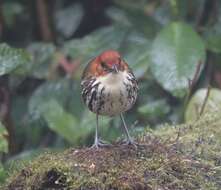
[182,157]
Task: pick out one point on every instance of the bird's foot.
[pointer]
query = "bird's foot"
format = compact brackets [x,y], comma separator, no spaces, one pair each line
[129,142]
[100,143]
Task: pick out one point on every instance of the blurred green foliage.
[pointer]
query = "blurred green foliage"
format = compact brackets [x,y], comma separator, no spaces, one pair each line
[3,149]
[166,43]
[11,58]
[3,140]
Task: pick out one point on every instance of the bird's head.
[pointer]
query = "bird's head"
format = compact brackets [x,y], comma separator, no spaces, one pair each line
[110,62]
[107,62]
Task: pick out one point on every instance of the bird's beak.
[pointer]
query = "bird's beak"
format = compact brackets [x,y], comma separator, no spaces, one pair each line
[115,68]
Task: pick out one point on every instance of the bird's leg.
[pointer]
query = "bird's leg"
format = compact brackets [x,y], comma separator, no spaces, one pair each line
[129,138]
[98,143]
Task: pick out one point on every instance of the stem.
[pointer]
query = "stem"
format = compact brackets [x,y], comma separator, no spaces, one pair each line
[2,22]
[6,118]
[43,20]
[205,100]
[192,83]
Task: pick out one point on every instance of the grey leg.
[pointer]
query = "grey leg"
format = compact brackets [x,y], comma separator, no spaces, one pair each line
[129,139]
[96,132]
[98,143]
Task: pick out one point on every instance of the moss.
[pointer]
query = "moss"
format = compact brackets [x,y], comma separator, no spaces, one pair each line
[186,156]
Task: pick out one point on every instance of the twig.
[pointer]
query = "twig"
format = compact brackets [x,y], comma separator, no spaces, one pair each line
[178,135]
[43,20]
[207,10]
[195,77]
[205,100]
[200,15]
[192,83]
[1,20]
[6,118]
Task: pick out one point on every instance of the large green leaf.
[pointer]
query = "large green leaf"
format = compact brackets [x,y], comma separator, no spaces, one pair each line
[62,122]
[64,91]
[66,22]
[158,108]
[213,103]
[175,54]
[134,14]
[118,16]
[136,52]
[12,58]
[39,67]
[96,42]
[3,140]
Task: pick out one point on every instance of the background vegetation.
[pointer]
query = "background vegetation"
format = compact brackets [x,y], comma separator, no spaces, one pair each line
[173,47]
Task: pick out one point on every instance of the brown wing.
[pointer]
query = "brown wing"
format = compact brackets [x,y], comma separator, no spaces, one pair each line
[87,70]
[132,78]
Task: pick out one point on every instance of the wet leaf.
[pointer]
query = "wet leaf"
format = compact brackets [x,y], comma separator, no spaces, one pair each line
[12,58]
[136,52]
[98,41]
[62,122]
[118,16]
[176,51]
[134,20]
[64,91]
[43,54]
[156,108]
[67,22]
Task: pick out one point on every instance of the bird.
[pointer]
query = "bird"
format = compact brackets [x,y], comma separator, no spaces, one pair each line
[109,88]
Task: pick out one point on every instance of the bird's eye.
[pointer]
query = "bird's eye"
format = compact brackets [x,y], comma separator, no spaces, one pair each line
[103,64]
[105,67]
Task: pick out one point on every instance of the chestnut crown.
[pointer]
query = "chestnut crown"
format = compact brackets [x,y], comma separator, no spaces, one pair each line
[109,61]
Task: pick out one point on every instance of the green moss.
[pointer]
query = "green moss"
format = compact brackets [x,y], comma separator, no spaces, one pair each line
[172,157]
